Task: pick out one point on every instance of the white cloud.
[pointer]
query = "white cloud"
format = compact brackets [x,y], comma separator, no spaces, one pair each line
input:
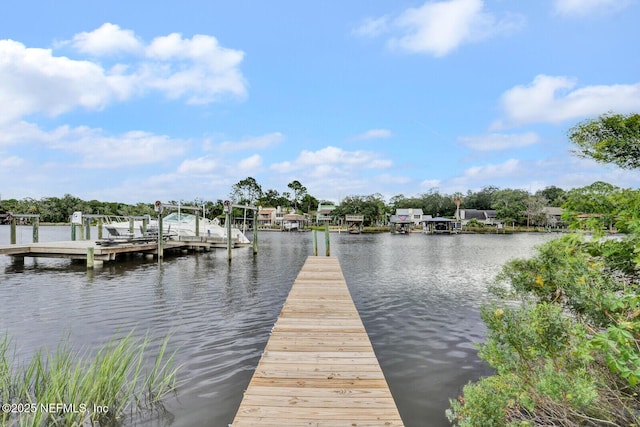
[19,133]
[250,164]
[373,134]
[493,170]
[438,28]
[201,165]
[499,141]
[555,99]
[35,81]
[588,7]
[10,162]
[32,80]
[100,151]
[109,39]
[333,156]
[250,143]
[372,27]
[198,68]
[94,147]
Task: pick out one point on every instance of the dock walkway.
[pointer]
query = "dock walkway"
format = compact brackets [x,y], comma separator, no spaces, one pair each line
[105,250]
[318,368]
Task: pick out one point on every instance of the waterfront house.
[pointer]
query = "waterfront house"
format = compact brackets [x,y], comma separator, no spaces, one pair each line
[323,215]
[268,217]
[415,215]
[484,216]
[553,217]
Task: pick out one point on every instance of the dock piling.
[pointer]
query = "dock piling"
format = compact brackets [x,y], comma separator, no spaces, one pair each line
[255,232]
[160,237]
[87,227]
[36,225]
[315,242]
[14,234]
[327,242]
[90,257]
[229,240]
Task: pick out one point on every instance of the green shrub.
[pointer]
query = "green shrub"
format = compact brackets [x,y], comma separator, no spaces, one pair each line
[118,380]
[564,339]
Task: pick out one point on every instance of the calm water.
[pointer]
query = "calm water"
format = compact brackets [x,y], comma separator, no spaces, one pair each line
[419,298]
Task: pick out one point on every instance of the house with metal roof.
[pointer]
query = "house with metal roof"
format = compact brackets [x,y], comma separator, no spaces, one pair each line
[484,216]
[439,225]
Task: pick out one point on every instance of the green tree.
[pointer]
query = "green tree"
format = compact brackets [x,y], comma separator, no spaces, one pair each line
[270,198]
[611,138]
[436,204]
[299,191]
[372,207]
[309,203]
[397,201]
[593,206]
[555,196]
[510,203]
[482,200]
[246,191]
[535,210]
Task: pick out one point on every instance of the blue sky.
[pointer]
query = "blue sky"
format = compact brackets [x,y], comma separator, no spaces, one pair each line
[139,101]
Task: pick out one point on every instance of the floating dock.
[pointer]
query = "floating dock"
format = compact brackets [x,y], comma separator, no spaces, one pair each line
[318,368]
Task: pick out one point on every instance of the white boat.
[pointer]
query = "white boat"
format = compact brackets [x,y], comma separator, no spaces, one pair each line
[175,224]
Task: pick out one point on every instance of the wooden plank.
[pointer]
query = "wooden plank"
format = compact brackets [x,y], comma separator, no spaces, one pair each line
[77,249]
[318,368]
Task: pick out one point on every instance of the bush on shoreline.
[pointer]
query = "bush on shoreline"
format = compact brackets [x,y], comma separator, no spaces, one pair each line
[563,337]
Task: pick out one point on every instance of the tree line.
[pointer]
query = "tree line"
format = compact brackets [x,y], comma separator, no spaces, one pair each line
[513,206]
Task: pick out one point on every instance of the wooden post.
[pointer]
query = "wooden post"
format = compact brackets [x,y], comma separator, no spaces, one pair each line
[315,242]
[14,234]
[131,227]
[160,237]
[36,226]
[145,224]
[228,225]
[100,228]
[73,231]
[80,230]
[90,257]
[326,240]
[197,225]
[255,232]
[88,228]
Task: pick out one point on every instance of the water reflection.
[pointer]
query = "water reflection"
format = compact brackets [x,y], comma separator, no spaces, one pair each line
[419,298]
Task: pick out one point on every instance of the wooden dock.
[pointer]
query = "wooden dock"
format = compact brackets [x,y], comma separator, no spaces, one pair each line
[318,368]
[105,250]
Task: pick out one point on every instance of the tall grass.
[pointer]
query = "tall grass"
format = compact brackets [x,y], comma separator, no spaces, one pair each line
[69,388]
